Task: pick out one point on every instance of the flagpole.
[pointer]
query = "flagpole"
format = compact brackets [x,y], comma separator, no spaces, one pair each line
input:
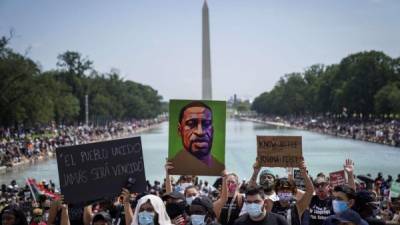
[30,188]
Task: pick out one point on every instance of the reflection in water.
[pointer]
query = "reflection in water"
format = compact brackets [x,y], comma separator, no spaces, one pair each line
[322,153]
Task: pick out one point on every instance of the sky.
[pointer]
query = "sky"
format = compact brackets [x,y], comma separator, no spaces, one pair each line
[158,43]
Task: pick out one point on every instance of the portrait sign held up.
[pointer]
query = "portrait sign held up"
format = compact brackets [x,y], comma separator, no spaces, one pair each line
[197,137]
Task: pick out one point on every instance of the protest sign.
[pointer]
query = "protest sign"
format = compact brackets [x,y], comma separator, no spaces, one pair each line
[337,178]
[395,190]
[279,151]
[197,137]
[99,170]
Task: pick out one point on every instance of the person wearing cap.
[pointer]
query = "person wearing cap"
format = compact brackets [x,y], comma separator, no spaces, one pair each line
[349,217]
[320,206]
[288,206]
[343,200]
[175,205]
[266,181]
[367,208]
[101,218]
[201,212]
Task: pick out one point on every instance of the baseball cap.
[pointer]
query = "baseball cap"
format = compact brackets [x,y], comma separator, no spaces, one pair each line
[174,195]
[267,171]
[365,198]
[348,216]
[102,216]
[205,202]
[321,180]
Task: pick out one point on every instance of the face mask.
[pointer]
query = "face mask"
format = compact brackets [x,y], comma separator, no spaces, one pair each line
[146,218]
[254,209]
[189,200]
[37,219]
[376,212]
[339,206]
[175,209]
[285,196]
[232,187]
[197,219]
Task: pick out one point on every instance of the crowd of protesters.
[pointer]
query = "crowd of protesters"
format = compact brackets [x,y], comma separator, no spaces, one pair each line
[22,145]
[264,199]
[382,131]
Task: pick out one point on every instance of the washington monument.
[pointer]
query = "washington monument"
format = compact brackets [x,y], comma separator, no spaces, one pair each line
[206,69]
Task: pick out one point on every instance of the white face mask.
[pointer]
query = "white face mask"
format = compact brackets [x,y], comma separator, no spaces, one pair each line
[254,209]
[189,200]
[197,219]
[146,218]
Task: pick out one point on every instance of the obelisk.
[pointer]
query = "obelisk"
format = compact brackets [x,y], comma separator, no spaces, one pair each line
[206,69]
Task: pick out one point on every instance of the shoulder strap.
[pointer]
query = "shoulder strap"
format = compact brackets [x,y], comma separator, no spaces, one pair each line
[240,201]
[230,208]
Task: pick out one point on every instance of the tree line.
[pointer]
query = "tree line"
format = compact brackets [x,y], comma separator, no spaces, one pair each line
[366,83]
[31,97]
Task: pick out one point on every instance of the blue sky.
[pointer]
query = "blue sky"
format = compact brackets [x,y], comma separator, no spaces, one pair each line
[158,43]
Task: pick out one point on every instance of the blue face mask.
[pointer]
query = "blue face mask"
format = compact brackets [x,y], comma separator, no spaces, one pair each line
[254,209]
[146,218]
[339,206]
[197,219]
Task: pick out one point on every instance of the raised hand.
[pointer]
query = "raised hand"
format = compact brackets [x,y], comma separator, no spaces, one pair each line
[168,166]
[257,165]
[349,166]
[303,167]
[178,220]
[126,195]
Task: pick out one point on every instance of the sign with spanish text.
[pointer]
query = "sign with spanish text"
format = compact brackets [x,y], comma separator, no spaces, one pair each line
[279,151]
[100,170]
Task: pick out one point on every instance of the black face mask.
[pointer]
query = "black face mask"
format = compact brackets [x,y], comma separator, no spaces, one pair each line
[175,209]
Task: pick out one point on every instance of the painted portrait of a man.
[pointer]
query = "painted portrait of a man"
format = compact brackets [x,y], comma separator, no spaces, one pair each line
[195,130]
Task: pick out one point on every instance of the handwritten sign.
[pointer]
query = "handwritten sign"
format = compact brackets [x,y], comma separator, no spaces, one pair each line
[99,170]
[337,178]
[279,151]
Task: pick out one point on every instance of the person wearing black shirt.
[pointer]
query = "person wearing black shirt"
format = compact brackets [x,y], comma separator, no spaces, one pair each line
[366,207]
[227,208]
[256,212]
[286,190]
[321,204]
